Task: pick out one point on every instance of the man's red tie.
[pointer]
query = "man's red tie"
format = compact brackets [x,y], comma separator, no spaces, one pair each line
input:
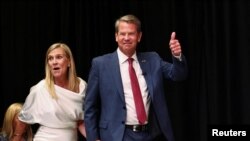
[140,110]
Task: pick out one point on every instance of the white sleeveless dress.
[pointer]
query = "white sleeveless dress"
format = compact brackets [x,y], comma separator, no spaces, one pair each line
[57,117]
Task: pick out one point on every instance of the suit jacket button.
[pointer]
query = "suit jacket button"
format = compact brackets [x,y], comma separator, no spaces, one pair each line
[123,122]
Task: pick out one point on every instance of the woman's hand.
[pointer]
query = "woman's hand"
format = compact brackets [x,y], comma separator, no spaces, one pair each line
[81,127]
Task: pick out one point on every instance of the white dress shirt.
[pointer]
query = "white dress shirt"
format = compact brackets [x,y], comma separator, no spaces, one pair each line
[128,94]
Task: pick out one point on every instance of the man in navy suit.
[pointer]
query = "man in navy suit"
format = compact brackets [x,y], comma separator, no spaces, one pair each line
[110,111]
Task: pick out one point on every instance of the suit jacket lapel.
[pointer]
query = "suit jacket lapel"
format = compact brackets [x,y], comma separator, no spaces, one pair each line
[115,70]
[145,67]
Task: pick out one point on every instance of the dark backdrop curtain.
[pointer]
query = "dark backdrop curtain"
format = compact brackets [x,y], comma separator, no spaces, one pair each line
[213,34]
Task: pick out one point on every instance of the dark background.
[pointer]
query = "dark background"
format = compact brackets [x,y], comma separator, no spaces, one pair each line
[213,34]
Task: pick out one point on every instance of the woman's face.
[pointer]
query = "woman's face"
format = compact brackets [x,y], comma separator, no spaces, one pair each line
[58,63]
[18,125]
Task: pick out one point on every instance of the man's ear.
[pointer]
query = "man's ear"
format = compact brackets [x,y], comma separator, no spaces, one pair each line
[139,37]
[116,37]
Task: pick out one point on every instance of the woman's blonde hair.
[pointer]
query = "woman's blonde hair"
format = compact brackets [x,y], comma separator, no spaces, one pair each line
[72,76]
[8,127]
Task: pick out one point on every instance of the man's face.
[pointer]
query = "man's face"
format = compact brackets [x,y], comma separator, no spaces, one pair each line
[127,38]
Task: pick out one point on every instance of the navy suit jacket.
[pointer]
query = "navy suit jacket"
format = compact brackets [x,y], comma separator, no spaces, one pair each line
[105,109]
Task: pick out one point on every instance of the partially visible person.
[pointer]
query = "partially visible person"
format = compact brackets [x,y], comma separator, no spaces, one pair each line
[13,129]
[125,98]
[55,103]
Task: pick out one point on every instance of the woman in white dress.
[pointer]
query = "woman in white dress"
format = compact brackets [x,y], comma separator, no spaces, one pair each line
[56,102]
